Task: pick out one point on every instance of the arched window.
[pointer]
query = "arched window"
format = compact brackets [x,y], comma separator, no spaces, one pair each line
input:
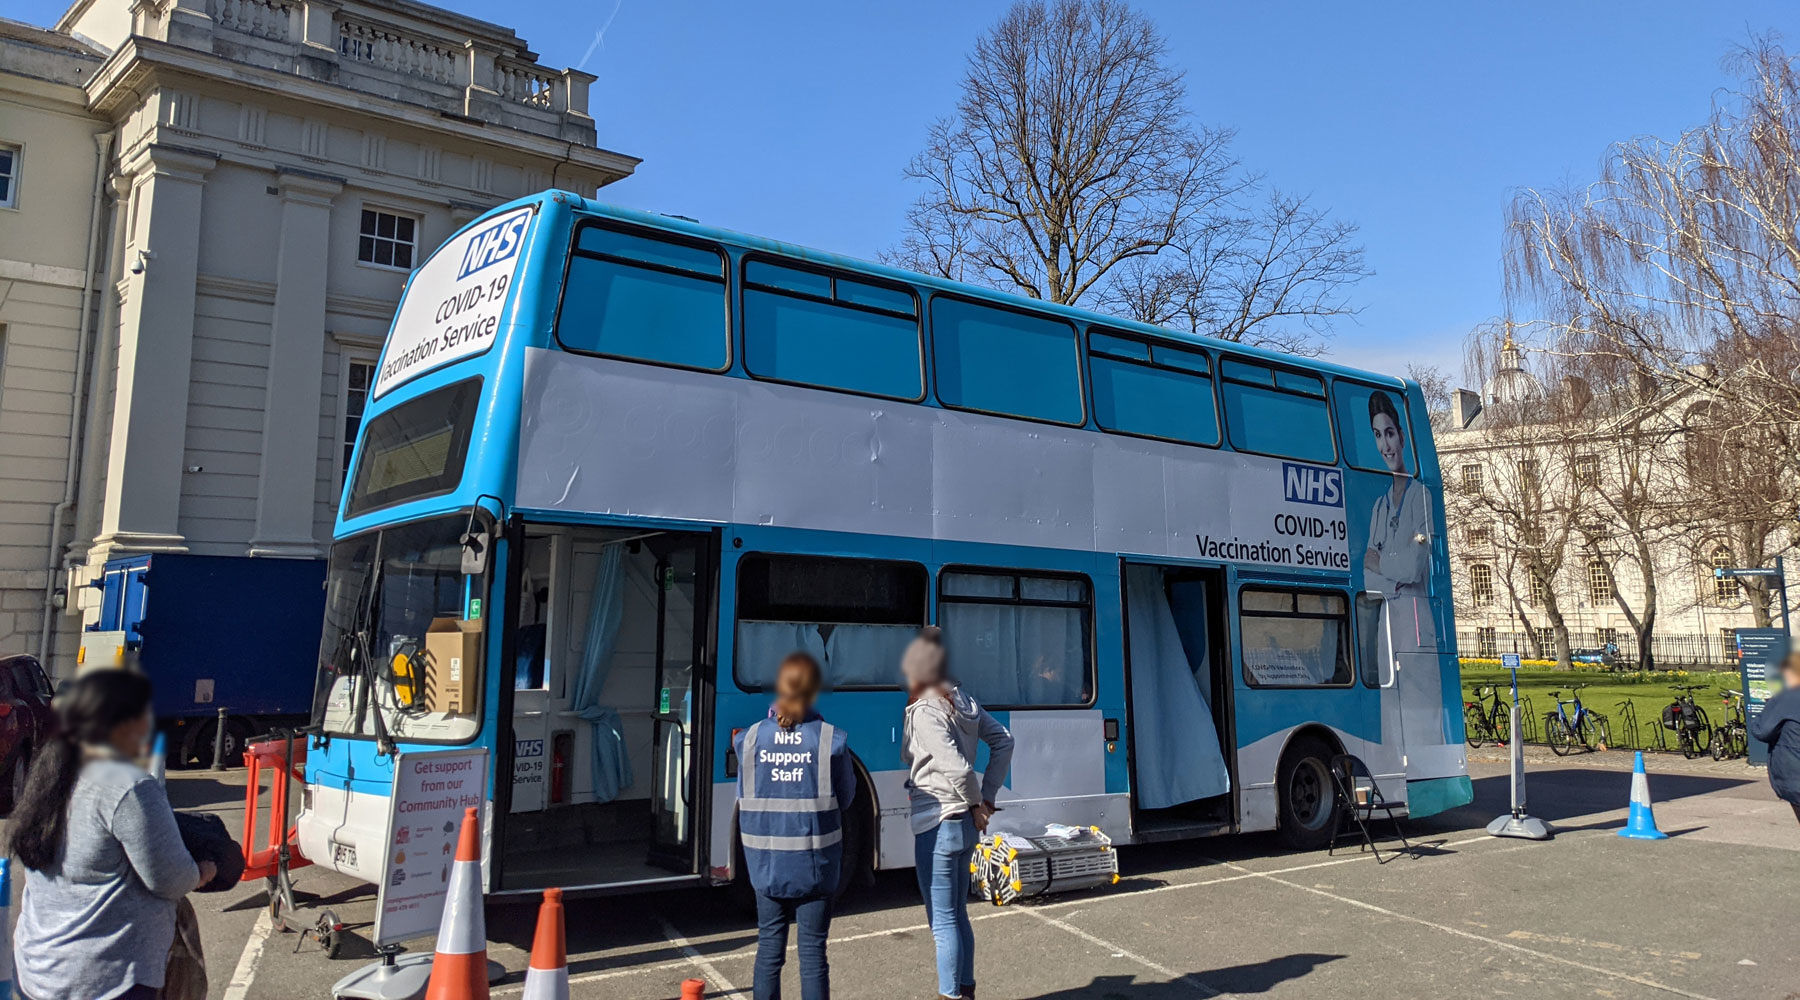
[1600,589]
[1726,589]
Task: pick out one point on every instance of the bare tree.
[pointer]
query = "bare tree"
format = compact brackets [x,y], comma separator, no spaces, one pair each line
[1071,171]
[1435,383]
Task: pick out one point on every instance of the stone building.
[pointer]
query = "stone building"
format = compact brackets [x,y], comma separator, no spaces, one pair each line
[208,209]
[1556,498]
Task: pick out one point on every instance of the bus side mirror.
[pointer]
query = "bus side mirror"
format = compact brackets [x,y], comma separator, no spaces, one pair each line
[474,553]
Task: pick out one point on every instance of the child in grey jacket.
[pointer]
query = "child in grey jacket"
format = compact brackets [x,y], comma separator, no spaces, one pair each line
[950,803]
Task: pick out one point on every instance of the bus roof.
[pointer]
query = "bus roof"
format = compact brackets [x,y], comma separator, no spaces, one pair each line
[692,228]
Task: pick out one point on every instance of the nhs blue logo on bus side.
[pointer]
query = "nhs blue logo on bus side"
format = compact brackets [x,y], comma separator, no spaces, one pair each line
[1312,484]
[494,244]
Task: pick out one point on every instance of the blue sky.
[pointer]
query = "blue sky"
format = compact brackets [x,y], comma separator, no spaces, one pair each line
[793,120]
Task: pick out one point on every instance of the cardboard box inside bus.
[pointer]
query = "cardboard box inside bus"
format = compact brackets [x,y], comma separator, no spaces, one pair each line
[452,664]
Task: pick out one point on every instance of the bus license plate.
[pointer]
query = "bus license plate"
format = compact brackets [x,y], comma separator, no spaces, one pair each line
[343,855]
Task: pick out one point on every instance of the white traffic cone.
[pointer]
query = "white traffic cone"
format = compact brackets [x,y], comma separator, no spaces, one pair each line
[459,967]
[547,978]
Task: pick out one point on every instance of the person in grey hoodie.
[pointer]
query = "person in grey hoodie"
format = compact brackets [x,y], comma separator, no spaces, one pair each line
[104,862]
[950,804]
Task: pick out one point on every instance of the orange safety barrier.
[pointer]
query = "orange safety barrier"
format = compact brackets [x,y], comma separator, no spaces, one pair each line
[269,758]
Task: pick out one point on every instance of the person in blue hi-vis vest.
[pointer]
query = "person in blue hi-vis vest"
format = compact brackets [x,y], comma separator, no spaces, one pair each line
[795,780]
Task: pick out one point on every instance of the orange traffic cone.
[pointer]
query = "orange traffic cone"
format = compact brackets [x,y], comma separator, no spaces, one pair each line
[547,978]
[693,989]
[459,968]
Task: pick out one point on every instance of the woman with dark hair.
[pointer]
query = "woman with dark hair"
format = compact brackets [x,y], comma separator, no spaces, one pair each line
[1399,555]
[795,780]
[104,861]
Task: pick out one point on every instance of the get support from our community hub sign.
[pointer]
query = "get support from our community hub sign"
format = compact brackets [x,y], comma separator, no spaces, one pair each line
[431,790]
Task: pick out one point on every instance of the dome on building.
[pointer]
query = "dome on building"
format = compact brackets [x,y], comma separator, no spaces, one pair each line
[1511,383]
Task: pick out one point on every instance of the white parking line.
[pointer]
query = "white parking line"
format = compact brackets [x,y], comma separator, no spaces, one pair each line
[245,974]
[1199,986]
[1495,942]
[696,959]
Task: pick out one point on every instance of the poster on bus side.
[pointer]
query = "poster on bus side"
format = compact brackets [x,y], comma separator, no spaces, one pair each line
[425,812]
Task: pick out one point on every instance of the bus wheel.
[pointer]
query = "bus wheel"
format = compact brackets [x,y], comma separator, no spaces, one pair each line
[1309,806]
[859,841]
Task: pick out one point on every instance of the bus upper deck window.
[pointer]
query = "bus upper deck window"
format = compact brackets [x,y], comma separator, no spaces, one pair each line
[1274,411]
[823,328]
[1156,391]
[1001,361]
[645,299]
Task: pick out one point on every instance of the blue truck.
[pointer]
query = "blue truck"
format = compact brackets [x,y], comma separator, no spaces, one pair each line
[212,632]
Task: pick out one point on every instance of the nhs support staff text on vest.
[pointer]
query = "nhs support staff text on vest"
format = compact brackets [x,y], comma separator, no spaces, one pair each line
[781,759]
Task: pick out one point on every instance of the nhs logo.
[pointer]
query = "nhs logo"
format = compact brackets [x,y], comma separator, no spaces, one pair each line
[1312,484]
[494,244]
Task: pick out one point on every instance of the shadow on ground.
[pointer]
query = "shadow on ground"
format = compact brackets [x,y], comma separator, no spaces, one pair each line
[1257,977]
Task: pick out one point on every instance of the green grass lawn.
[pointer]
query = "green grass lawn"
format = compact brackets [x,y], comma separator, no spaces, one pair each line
[1603,694]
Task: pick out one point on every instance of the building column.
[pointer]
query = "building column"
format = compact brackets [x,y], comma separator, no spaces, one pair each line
[142,506]
[287,483]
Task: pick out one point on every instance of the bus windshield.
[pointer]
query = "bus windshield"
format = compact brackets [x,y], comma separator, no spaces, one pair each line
[398,611]
[416,449]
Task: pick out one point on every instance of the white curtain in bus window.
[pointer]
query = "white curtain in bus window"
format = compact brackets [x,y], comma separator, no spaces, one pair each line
[815,328]
[1295,638]
[1174,741]
[1017,641]
[606,608]
[855,616]
[631,296]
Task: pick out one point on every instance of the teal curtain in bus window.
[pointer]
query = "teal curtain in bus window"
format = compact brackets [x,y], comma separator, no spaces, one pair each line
[1138,399]
[618,309]
[1357,418]
[819,343]
[999,361]
[612,765]
[1277,423]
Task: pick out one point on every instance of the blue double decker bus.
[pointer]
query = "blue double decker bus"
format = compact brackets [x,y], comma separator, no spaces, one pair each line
[615,465]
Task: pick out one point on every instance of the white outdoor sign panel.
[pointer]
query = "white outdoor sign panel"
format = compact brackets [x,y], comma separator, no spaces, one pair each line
[452,305]
[431,790]
[620,438]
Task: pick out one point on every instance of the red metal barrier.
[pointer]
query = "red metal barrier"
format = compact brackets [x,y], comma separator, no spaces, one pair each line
[269,758]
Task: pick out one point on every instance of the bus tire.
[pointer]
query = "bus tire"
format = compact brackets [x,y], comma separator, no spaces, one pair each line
[1306,798]
[858,865]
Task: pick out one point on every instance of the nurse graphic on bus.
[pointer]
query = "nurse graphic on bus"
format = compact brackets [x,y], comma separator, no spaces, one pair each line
[1397,562]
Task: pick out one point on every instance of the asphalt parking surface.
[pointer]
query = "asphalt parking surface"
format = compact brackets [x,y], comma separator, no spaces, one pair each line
[1712,913]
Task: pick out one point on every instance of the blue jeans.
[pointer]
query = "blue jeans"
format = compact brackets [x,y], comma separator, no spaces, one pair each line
[941,859]
[813,915]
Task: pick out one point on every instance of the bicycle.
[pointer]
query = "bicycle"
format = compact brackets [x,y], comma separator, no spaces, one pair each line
[1587,727]
[1491,721]
[1693,731]
[1732,739]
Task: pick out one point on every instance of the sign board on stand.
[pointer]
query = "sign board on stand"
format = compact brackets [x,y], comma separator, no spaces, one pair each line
[425,810]
[1760,651]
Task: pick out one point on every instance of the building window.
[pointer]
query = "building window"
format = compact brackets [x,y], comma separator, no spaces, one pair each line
[1537,591]
[1487,641]
[855,616]
[821,328]
[387,240]
[1587,470]
[1273,411]
[9,176]
[1295,638]
[1016,364]
[1607,636]
[645,298]
[1481,584]
[1726,589]
[1471,478]
[1546,640]
[1479,536]
[359,375]
[1529,474]
[1152,389]
[1018,639]
[1600,588]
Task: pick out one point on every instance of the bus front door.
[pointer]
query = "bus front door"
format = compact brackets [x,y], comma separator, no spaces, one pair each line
[683,597]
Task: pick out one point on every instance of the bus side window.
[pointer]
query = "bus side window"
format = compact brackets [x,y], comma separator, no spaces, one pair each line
[818,328]
[644,299]
[1368,638]
[1000,361]
[1152,389]
[1277,412]
[855,616]
[1019,640]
